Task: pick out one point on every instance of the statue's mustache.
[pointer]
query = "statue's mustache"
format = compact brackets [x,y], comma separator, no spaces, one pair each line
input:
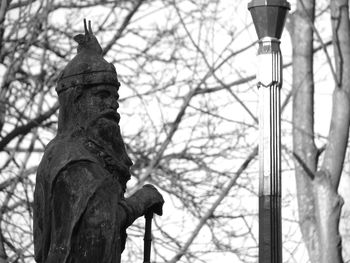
[111,115]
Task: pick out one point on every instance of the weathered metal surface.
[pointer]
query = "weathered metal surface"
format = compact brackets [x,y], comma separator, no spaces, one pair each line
[80,212]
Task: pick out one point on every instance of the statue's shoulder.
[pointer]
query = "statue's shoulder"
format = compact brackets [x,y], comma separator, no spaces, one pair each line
[61,152]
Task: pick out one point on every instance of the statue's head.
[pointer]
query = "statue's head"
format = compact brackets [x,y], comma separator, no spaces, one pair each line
[88,94]
[87,87]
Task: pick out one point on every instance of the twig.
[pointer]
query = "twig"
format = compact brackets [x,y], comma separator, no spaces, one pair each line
[211,210]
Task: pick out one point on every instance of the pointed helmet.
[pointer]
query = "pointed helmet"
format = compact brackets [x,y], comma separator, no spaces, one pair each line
[88,67]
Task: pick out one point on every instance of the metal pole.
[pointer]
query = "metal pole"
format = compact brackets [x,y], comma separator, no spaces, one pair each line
[269,17]
[147,238]
[269,84]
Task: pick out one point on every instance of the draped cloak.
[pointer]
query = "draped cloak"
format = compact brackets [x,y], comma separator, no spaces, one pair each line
[78,207]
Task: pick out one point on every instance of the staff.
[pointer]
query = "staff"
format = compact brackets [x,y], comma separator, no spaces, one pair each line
[148,237]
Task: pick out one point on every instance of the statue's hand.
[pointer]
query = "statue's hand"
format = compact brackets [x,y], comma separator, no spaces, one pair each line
[145,200]
[155,199]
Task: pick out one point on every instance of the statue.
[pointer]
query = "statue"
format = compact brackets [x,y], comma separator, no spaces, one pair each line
[80,212]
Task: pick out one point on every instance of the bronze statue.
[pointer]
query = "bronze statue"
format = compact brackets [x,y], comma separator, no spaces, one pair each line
[80,212]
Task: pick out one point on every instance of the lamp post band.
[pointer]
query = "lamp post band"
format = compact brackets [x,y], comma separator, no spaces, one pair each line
[278,3]
[268,45]
[269,71]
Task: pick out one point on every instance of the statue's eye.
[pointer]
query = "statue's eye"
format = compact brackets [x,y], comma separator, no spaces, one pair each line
[103,94]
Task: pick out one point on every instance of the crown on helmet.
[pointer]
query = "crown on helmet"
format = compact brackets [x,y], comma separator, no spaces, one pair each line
[88,67]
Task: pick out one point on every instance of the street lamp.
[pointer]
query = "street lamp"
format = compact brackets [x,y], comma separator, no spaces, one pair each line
[269,17]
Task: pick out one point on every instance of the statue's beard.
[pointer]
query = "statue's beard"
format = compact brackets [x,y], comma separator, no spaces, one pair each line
[106,135]
[105,132]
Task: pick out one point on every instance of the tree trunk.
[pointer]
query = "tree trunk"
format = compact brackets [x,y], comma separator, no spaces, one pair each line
[327,212]
[318,200]
[329,203]
[304,148]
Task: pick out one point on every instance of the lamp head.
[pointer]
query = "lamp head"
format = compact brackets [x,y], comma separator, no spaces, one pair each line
[269,17]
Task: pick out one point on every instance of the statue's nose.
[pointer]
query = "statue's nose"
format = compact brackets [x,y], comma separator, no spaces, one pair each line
[112,103]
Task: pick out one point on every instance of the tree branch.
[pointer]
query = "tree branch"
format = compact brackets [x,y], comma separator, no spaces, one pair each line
[24,129]
[340,119]
[121,29]
[211,210]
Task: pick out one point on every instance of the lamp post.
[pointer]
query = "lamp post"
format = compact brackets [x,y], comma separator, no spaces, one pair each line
[269,18]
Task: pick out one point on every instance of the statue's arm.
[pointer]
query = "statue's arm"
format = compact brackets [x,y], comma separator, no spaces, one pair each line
[144,200]
[82,177]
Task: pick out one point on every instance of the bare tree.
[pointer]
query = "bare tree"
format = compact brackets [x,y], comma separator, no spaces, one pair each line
[318,170]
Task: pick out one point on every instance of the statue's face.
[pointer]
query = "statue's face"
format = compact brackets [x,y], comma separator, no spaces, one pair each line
[100,101]
[96,112]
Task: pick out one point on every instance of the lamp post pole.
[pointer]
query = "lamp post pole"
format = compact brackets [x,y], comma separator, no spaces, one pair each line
[269,18]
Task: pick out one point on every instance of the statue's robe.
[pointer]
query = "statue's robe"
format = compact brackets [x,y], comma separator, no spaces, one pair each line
[79,209]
